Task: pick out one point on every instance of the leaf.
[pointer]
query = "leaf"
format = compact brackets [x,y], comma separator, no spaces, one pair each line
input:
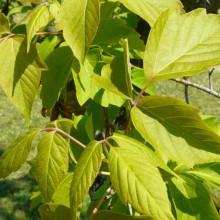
[55,78]
[17,152]
[191,199]
[173,52]
[51,211]
[23,73]
[115,77]
[175,130]
[38,19]
[4,24]
[151,10]
[209,172]
[61,195]
[109,215]
[212,122]
[139,183]
[139,148]
[85,172]
[79,24]
[51,163]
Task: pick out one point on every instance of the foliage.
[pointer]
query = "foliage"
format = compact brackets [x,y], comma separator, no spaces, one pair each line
[136,154]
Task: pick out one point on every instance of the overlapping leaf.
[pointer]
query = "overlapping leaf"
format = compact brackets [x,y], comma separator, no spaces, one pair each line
[139,183]
[54,79]
[79,24]
[20,73]
[175,130]
[51,163]
[84,174]
[182,45]
[191,199]
[4,24]
[17,152]
[38,19]
[150,10]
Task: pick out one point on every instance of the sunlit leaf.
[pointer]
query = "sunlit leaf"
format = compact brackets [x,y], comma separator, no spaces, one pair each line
[55,78]
[175,130]
[20,73]
[4,24]
[38,19]
[139,183]
[17,152]
[151,10]
[173,52]
[52,211]
[51,163]
[85,172]
[209,172]
[79,24]
[191,199]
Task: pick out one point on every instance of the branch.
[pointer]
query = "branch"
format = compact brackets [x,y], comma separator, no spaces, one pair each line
[197,86]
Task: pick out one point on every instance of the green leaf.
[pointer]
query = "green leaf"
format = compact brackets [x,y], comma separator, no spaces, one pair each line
[175,130]
[151,10]
[54,79]
[51,163]
[51,211]
[85,172]
[23,73]
[61,195]
[209,172]
[4,24]
[138,148]
[109,215]
[79,24]
[115,77]
[139,183]
[212,122]
[191,199]
[38,19]
[173,52]
[17,152]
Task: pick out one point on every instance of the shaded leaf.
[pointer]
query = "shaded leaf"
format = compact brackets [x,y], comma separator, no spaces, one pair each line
[79,24]
[51,163]
[23,73]
[175,130]
[38,19]
[4,24]
[139,183]
[51,211]
[209,172]
[212,122]
[17,152]
[151,10]
[55,78]
[191,199]
[173,52]
[85,172]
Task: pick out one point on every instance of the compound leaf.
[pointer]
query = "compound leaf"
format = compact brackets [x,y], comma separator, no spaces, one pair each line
[139,183]
[173,52]
[23,73]
[85,172]
[17,152]
[79,24]
[51,163]
[175,130]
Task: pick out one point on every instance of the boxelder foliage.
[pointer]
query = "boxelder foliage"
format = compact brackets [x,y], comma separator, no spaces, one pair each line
[151,157]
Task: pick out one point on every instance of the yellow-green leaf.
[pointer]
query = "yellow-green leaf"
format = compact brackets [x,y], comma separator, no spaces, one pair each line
[16,154]
[182,45]
[20,73]
[139,183]
[51,163]
[150,10]
[4,24]
[79,21]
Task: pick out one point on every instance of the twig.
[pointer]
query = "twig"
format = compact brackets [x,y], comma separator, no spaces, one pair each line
[210,78]
[65,134]
[197,86]
[186,90]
